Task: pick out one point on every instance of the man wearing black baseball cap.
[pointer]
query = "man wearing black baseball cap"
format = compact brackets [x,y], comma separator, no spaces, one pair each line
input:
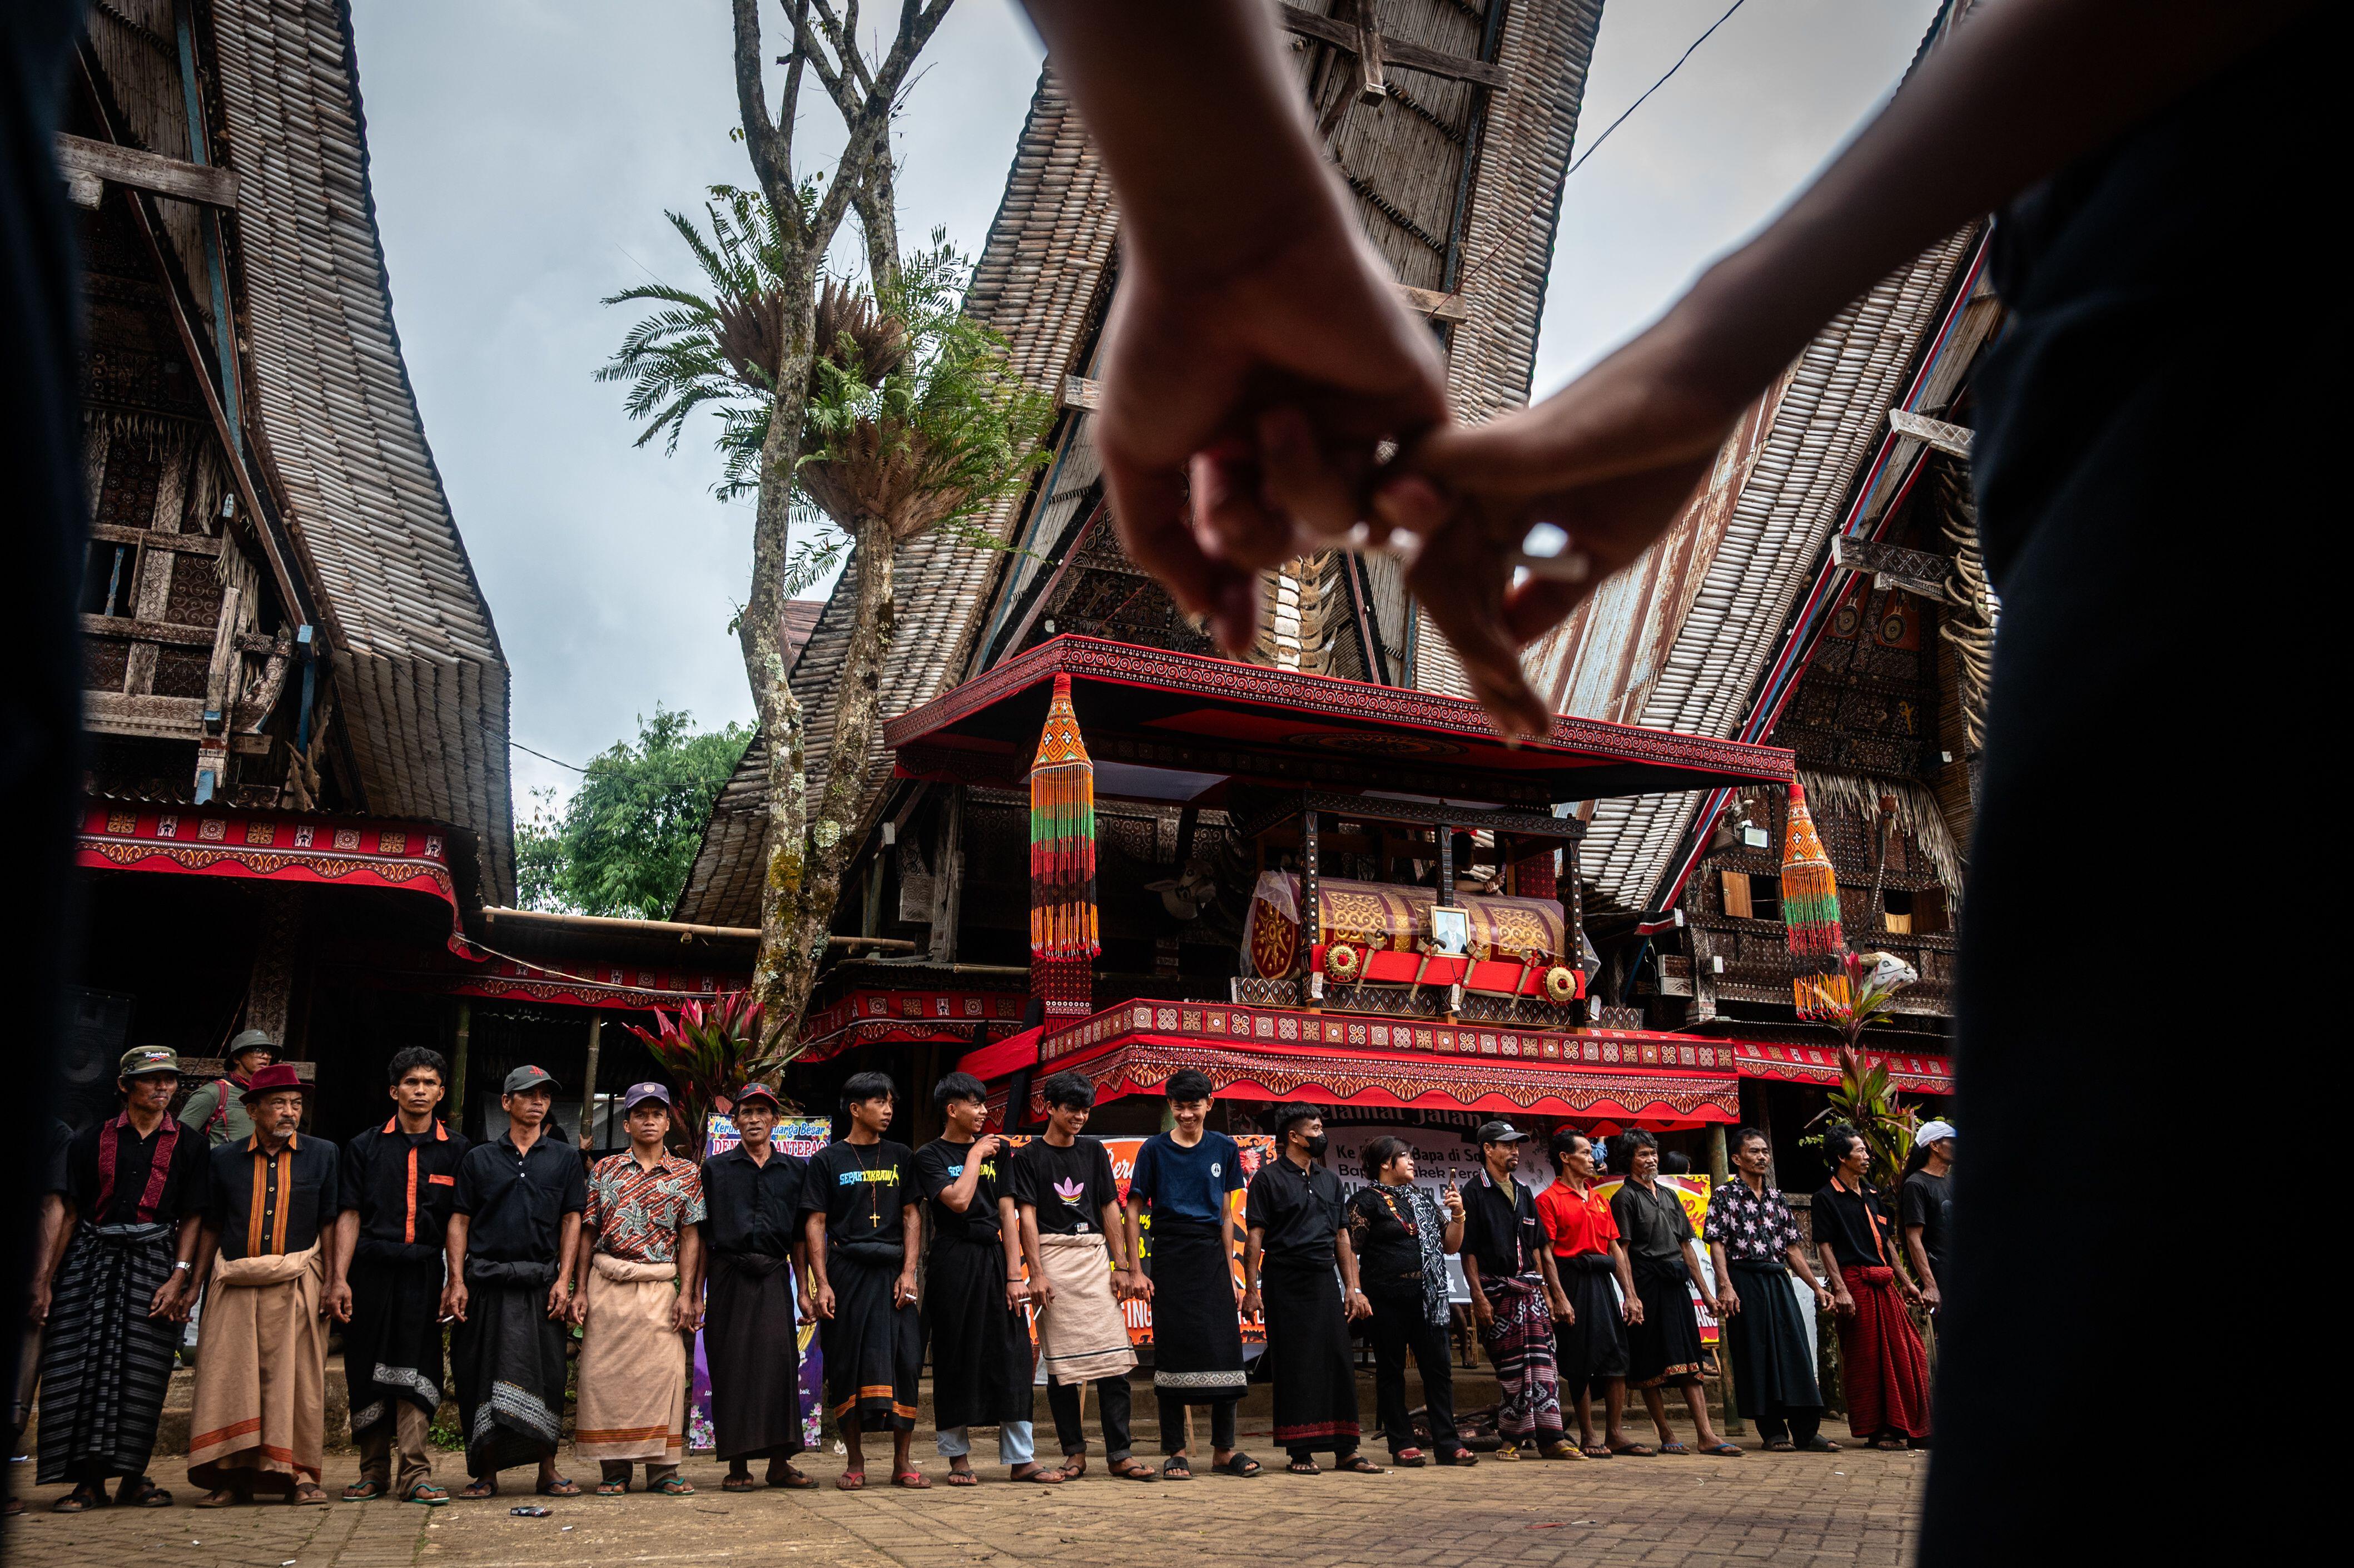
[1510,1270]
[511,1246]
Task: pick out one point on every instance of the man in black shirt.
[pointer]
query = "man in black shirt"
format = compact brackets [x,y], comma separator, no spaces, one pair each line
[1925,1209]
[752,1236]
[1296,1236]
[398,1184]
[1076,1239]
[1508,1263]
[973,1288]
[1881,1360]
[260,1419]
[863,1226]
[116,1287]
[514,1230]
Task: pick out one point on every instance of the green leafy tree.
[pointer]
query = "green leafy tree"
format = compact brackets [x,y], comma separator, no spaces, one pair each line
[623,843]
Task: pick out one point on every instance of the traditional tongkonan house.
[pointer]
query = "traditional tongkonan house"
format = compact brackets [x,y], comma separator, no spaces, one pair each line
[1825,595]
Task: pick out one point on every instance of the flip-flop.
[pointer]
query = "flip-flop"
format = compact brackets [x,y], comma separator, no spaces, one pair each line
[149,1496]
[563,1487]
[308,1497]
[473,1491]
[673,1486]
[1241,1466]
[1672,1446]
[1039,1475]
[1722,1451]
[963,1478]
[793,1481]
[612,1488]
[429,1493]
[1561,1453]
[1635,1451]
[1599,1451]
[1409,1459]
[1133,1469]
[914,1481]
[1818,1444]
[737,1483]
[1459,1456]
[1357,1465]
[365,1492]
[218,1500]
[1302,1467]
[850,1481]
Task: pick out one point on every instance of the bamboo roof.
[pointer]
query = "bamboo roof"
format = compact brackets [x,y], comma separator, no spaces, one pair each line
[424,682]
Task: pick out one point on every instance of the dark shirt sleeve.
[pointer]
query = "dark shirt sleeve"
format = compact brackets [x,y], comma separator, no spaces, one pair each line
[81,1170]
[1256,1206]
[576,1190]
[353,1178]
[1231,1156]
[1622,1208]
[468,1198]
[216,1206]
[1018,1185]
[1913,1203]
[932,1176]
[331,1186]
[193,1159]
[817,1183]
[1825,1214]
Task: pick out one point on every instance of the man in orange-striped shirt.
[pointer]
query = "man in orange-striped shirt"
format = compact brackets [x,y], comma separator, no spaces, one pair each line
[400,1182]
[259,1424]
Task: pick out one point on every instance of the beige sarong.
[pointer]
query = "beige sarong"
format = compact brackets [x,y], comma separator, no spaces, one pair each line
[633,1367]
[260,1417]
[1082,1335]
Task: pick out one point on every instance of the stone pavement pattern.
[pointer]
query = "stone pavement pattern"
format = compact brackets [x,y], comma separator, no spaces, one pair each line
[1855,1506]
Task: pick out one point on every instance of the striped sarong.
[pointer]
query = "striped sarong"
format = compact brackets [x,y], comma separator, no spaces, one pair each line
[1519,1342]
[106,1364]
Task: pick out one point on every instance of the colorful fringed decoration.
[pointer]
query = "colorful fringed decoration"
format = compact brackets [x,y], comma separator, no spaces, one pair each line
[1821,997]
[1810,887]
[1062,837]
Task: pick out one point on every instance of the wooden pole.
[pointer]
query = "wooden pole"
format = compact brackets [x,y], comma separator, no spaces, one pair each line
[458,1065]
[589,1078]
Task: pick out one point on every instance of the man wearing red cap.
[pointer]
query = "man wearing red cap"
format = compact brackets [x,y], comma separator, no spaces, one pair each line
[260,1421]
[636,1300]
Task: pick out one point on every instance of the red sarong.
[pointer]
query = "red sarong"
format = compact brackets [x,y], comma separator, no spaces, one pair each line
[1881,1360]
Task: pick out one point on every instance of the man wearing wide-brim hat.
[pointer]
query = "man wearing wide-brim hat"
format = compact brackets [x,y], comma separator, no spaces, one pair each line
[259,1421]
[135,1189]
[217,1108]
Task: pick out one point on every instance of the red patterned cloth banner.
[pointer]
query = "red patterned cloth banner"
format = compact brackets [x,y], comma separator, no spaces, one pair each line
[1910,1072]
[275,846]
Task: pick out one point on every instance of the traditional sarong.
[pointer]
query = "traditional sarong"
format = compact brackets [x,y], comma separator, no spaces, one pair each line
[874,1350]
[392,1346]
[754,1349]
[1519,1345]
[105,1365]
[634,1371]
[260,1415]
[1592,1344]
[1082,1335]
[1880,1362]
[507,1360]
[1197,1328]
[1307,1357]
[1665,1346]
[1773,1367]
[980,1349]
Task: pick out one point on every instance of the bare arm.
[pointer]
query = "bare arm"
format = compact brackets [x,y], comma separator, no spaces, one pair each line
[1254,1243]
[690,1279]
[1728,1301]
[1116,1236]
[1806,1267]
[340,1248]
[1918,1251]
[453,1253]
[1355,1303]
[1840,1299]
[1556,1296]
[957,1196]
[1009,1234]
[813,1246]
[57,1227]
[207,1244]
[911,1247]
[1138,1286]
[1481,1313]
[568,1248]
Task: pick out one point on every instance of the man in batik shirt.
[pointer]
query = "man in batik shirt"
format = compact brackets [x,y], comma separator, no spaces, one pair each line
[1754,1243]
[636,1300]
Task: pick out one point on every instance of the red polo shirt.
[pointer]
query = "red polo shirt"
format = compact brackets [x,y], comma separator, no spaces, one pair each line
[1576,1224]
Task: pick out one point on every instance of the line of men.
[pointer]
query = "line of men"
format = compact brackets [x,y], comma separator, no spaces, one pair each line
[409,1227]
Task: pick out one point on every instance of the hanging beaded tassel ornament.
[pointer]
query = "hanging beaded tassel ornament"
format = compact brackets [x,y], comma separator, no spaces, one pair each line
[1062,837]
[1810,887]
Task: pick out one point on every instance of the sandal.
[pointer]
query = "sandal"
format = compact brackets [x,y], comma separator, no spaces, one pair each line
[1358,1464]
[1635,1451]
[429,1493]
[1596,1451]
[365,1492]
[850,1481]
[221,1498]
[1133,1469]
[1075,1465]
[1510,1453]
[1889,1444]
[1039,1475]
[673,1486]
[1409,1459]
[1818,1444]
[308,1495]
[1303,1467]
[145,1494]
[473,1491]
[1562,1451]
[914,1481]
[1781,1446]
[1457,1456]
[791,1480]
[612,1488]
[85,1497]
[1241,1466]
[563,1487]
[1175,1468]
[743,1483]
[1722,1451]
[963,1478]
[1672,1446]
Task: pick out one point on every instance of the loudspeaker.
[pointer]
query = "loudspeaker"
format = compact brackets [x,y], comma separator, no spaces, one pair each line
[98,1031]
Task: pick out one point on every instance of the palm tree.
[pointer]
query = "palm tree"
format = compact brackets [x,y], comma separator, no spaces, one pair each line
[913,422]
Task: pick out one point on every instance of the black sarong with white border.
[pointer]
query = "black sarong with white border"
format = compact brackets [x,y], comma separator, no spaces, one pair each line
[1197,1328]
[508,1357]
[392,1346]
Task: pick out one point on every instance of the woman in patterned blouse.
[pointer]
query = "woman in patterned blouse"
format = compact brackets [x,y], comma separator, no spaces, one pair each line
[1402,1240]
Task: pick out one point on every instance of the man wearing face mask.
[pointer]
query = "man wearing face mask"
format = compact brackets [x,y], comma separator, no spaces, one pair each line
[1294,1212]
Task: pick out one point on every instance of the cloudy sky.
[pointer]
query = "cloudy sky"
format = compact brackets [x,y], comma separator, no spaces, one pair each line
[524,151]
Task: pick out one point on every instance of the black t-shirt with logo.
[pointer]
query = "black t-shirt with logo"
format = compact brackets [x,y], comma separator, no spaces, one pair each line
[1070,1186]
[860,1188]
[939,1165]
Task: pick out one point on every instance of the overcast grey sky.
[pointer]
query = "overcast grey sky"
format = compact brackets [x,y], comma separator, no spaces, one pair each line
[522,151]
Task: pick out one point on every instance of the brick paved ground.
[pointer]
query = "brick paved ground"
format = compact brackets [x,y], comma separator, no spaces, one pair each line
[1854,1507]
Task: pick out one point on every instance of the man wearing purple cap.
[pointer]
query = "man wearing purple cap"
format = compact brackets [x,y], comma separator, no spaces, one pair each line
[636,1302]
[753,1240]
